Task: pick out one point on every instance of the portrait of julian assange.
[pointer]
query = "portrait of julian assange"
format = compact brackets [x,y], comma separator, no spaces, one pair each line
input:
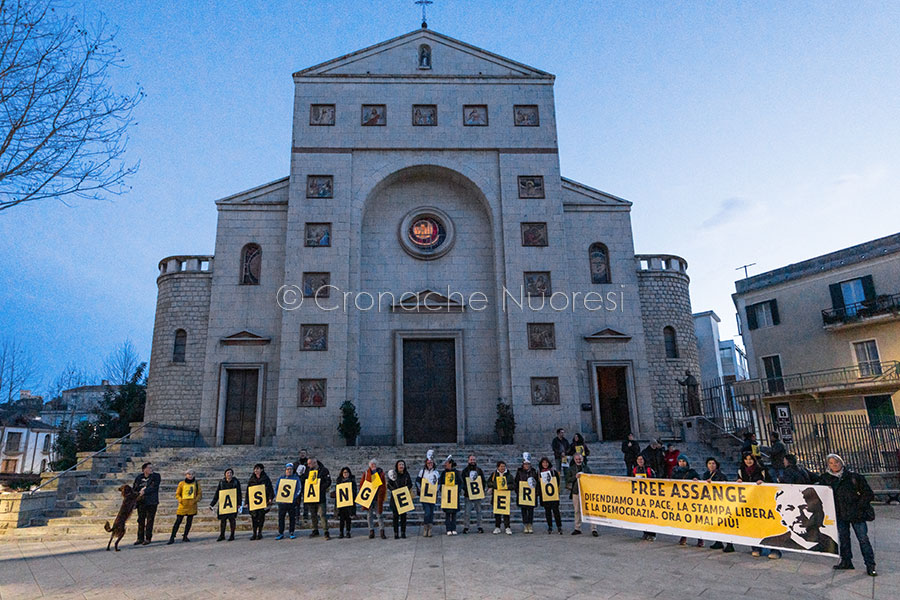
[804,516]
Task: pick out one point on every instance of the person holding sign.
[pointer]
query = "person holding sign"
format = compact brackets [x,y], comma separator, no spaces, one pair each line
[579,447]
[577,467]
[684,471]
[473,493]
[375,510]
[287,496]
[344,493]
[449,488]
[316,482]
[501,482]
[399,480]
[188,494]
[642,470]
[526,484]
[228,497]
[428,485]
[259,496]
[548,492]
[752,471]
[714,473]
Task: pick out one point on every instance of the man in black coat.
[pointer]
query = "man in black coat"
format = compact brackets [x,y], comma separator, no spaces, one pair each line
[318,510]
[804,516]
[560,447]
[146,484]
[794,473]
[630,451]
[853,503]
[655,457]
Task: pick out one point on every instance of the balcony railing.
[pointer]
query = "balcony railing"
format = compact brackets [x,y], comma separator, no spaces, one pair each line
[863,375]
[859,311]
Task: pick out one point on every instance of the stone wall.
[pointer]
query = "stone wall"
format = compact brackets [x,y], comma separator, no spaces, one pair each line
[666,302]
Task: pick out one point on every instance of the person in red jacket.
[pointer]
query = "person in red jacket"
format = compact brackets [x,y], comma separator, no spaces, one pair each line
[376,509]
[671,455]
[642,471]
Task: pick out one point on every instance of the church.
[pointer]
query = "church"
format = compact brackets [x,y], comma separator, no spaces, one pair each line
[425,260]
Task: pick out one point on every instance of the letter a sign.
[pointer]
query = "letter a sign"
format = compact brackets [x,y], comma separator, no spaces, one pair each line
[227,502]
[402,500]
[257,497]
[526,494]
[344,494]
[475,488]
[311,488]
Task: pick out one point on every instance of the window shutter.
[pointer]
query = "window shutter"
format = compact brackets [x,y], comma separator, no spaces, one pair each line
[868,287]
[773,304]
[837,296]
[751,317]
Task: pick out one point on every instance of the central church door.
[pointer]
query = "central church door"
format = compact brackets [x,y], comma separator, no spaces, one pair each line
[429,391]
[240,406]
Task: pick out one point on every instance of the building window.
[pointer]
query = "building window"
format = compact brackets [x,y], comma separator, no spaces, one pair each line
[671,342]
[180,345]
[774,377]
[867,358]
[424,56]
[762,315]
[43,465]
[599,261]
[848,296]
[46,448]
[13,441]
[251,262]
[8,465]
[881,410]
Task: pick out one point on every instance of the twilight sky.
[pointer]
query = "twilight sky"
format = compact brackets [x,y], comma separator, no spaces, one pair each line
[764,132]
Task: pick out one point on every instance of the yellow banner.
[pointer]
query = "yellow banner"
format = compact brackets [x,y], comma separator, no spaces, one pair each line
[402,500]
[799,518]
[475,488]
[227,502]
[343,494]
[428,493]
[502,501]
[450,497]
[311,488]
[526,494]
[366,494]
[256,497]
[286,490]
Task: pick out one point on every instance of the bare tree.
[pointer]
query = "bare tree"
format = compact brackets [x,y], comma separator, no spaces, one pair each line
[70,377]
[120,365]
[17,369]
[62,127]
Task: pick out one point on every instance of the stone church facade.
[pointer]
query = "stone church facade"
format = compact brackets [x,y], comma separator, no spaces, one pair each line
[424,259]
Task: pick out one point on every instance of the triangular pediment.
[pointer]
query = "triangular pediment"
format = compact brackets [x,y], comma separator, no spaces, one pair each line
[577,196]
[245,338]
[274,192]
[607,335]
[399,57]
[427,301]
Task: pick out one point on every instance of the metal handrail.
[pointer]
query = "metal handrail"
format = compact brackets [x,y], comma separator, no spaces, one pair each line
[864,372]
[87,458]
[879,305]
[726,432]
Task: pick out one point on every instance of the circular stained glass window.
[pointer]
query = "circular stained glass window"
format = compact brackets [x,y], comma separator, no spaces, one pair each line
[426,233]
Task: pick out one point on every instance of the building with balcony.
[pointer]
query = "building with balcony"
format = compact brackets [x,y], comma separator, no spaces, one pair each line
[823,335]
[26,445]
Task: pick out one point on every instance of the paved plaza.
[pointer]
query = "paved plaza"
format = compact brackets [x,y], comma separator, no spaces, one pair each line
[540,566]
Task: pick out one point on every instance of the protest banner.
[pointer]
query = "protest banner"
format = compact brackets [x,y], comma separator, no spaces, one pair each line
[402,500]
[287,488]
[227,502]
[256,497]
[798,518]
[343,494]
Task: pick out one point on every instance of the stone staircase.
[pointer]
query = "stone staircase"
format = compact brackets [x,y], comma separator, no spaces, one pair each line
[93,499]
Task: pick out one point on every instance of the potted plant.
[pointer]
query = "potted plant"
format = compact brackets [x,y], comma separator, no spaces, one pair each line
[505,425]
[349,426]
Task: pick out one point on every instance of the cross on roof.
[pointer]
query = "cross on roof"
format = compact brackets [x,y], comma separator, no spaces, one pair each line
[424,3]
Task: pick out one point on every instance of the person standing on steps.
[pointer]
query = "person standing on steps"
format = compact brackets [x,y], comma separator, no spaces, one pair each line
[300,469]
[572,474]
[258,516]
[375,511]
[188,494]
[526,473]
[428,473]
[288,508]
[671,456]
[654,456]
[560,447]
[399,478]
[501,479]
[578,446]
[146,485]
[551,507]
[642,470]
[450,477]
[630,450]
[318,510]
[714,473]
[345,514]
[228,482]
[777,452]
[853,503]
[472,472]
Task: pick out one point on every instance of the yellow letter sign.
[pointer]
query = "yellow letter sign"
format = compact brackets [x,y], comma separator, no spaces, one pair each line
[501,502]
[450,497]
[227,502]
[475,487]
[344,494]
[256,495]
[429,492]
[311,488]
[366,494]
[402,500]
[286,490]
[526,494]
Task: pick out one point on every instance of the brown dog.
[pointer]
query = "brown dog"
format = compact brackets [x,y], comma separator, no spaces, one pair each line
[129,501]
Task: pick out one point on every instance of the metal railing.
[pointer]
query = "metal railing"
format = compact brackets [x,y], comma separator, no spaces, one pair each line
[87,458]
[863,373]
[858,311]
[865,446]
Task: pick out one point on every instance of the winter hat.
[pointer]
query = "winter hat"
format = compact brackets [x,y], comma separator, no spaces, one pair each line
[526,457]
[684,458]
[836,457]
[289,466]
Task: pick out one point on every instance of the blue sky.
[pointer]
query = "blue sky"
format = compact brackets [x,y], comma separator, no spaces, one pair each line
[743,132]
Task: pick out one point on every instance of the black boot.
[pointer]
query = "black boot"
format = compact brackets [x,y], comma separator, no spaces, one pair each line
[844,565]
[396,533]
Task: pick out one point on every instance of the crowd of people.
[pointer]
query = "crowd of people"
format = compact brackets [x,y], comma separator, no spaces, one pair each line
[852,494]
